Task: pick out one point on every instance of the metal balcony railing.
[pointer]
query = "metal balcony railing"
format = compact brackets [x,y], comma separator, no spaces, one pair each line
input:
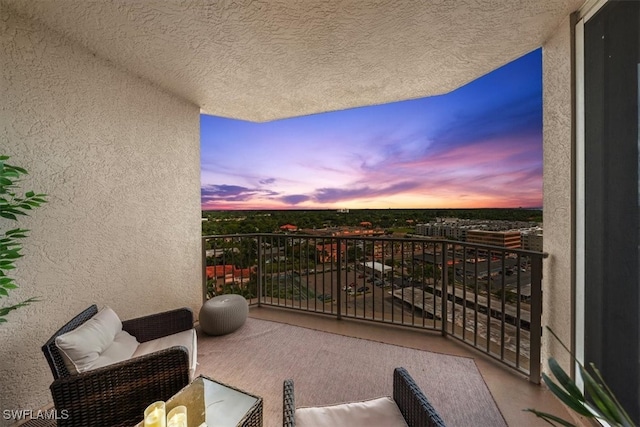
[487,297]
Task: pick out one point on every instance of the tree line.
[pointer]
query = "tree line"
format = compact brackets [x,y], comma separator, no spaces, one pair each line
[246,222]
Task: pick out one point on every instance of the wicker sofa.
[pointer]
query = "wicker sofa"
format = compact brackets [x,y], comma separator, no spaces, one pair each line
[408,400]
[117,394]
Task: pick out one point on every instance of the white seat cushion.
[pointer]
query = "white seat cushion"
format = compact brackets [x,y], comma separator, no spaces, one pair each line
[381,412]
[121,349]
[186,339]
[81,347]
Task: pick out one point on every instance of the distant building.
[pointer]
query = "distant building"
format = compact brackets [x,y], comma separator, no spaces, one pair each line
[445,230]
[345,231]
[449,220]
[459,229]
[328,252]
[532,240]
[228,274]
[288,227]
[221,252]
[507,239]
[377,268]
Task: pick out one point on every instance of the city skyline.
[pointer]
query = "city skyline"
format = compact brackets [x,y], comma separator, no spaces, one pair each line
[479,146]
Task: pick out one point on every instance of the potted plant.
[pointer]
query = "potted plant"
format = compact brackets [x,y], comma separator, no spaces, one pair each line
[598,402]
[13,204]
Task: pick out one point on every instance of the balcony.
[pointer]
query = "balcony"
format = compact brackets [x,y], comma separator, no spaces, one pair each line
[491,298]
[511,391]
[95,126]
[487,297]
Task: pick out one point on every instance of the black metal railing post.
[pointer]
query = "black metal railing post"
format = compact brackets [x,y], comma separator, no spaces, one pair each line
[204,269]
[259,275]
[339,281]
[444,295]
[536,319]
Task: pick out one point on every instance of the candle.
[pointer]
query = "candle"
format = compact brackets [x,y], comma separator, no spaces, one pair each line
[154,415]
[177,417]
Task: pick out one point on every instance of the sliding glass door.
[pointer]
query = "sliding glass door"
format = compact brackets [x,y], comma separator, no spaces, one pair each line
[612,198]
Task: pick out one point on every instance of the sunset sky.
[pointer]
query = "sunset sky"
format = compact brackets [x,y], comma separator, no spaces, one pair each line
[479,146]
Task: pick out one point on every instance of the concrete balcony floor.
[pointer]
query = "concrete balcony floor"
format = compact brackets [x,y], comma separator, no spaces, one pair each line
[511,390]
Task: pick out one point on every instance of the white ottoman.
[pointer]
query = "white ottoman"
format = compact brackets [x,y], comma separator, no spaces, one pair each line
[223,314]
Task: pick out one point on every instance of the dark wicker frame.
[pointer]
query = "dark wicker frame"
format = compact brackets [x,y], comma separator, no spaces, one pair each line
[116,395]
[254,416]
[413,404]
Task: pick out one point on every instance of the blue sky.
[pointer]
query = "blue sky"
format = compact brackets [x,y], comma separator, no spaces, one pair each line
[479,146]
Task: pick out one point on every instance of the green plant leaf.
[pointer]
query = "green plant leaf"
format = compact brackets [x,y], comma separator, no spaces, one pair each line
[16,168]
[13,205]
[5,310]
[573,403]
[601,399]
[627,421]
[550,418]
[16,231]
[604,407]
[10,254]
[8,216]
[18,236]
[564,379]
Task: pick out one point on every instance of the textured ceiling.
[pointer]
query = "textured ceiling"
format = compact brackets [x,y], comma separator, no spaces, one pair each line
[264,60]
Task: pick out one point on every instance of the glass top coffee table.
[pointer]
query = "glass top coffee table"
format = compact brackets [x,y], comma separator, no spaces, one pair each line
[215,404]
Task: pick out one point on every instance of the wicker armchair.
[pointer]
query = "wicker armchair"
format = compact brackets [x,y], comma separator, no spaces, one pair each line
[117,394]
[411,401]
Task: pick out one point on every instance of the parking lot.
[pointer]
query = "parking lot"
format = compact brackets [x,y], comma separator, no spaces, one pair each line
[360,296]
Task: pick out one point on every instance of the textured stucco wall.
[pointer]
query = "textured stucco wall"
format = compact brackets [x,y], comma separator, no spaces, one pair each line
[119,159]
[263,60]
[557,189]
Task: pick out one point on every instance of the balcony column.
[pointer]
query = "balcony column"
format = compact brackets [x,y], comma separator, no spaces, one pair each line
[558,192]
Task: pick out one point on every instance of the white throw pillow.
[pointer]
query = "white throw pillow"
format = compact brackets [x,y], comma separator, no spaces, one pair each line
[381,412]
[81,347]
